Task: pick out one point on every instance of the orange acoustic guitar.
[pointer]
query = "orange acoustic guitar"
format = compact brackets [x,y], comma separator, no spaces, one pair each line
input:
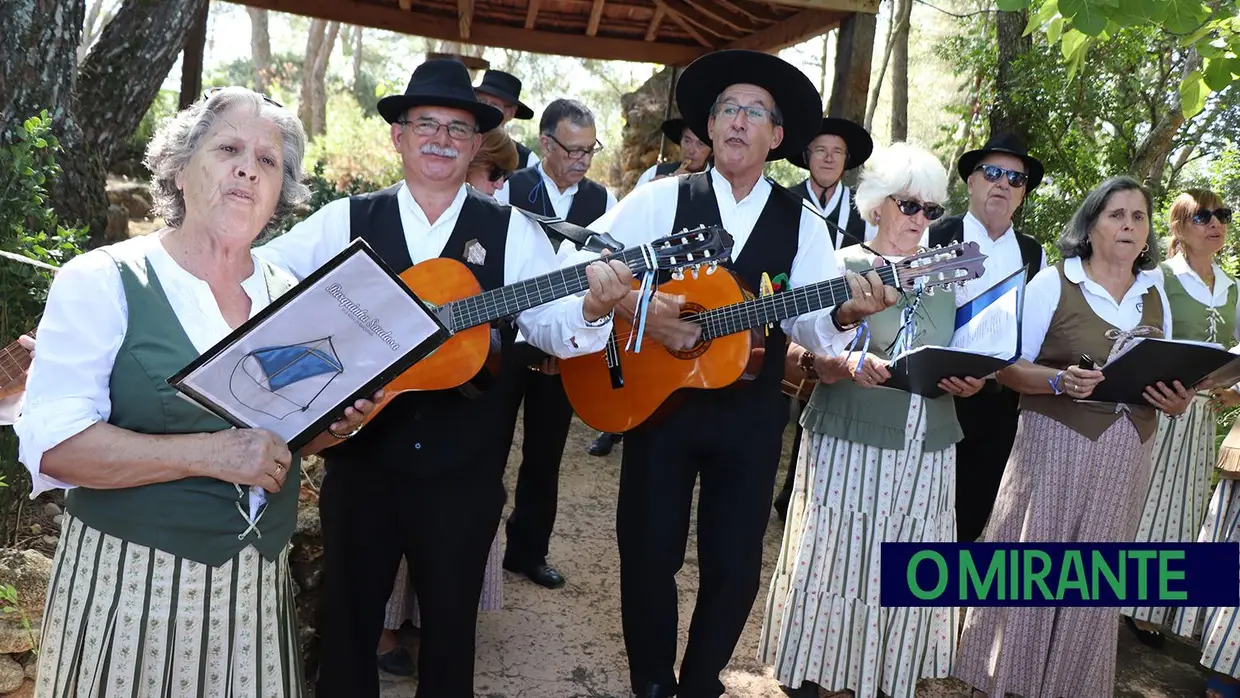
[613,391]
[453,293]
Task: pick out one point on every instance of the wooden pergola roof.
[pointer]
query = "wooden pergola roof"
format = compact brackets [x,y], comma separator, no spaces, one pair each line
[670,32]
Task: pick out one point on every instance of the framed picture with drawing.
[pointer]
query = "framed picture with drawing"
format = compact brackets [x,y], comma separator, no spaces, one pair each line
[341,334]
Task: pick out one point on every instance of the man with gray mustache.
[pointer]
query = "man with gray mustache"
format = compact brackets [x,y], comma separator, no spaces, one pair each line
[558,187]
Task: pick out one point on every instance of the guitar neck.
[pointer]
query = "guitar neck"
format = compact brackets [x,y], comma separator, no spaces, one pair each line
[14,362]
[768,310]
[513,299]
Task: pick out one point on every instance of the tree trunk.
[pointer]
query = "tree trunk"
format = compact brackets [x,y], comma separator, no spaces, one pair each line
[320,78]
[1013,44]
[899,74]
[260,47]
[191,60]
[357,55]
[89,30]
[882,68]
[314,42]
[1151,157]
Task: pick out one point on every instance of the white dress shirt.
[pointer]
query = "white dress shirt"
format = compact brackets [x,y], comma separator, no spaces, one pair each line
[558,328]
[561,201]
[649,212]
[530,160]
[83,326]
[1042,298]
[650,174]
[841,200]
[1195,287]
[1002,258]
[10,407]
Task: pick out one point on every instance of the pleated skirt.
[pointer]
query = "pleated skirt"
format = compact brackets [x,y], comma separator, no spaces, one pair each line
[823,622]
[402,605]
[1178,493]
[1219,628]
[1059,486]
[128,620]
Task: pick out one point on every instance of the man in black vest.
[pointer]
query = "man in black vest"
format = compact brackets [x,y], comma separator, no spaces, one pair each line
[556,187]
[425,478]
[754,107]
[503,91]
[840,145]
[1000,175]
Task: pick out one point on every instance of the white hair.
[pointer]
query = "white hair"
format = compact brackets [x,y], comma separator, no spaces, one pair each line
[900,169]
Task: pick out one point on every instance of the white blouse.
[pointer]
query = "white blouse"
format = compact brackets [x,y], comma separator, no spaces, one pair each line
[1196,288]
[1042,298]
[82,329]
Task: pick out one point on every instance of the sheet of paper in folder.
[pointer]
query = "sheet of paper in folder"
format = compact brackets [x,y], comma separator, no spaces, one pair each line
[990,324]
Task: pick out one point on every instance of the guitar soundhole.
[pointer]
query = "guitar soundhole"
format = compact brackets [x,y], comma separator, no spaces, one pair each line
[687,312]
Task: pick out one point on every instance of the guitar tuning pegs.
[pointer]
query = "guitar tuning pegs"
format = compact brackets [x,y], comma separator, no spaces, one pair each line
[710,268]
[695,270]
[678,275]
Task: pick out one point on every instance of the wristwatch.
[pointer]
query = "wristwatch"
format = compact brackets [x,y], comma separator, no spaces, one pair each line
[806,364]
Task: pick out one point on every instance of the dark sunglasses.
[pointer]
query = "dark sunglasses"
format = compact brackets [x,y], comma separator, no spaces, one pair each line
[911,208]
[499,174]
[1203,216]
[215,90]
[992,173]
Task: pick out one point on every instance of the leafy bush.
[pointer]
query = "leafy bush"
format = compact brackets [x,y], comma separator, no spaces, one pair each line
[28,227]
[356,147]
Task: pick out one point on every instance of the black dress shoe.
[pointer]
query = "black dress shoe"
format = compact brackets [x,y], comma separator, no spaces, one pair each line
[657,690]
[1149,638]
[603,444]
[398,662]
[807,689]
[541,574]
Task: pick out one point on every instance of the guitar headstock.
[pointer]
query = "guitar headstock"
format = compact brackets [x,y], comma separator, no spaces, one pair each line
[691,249]
[940,267]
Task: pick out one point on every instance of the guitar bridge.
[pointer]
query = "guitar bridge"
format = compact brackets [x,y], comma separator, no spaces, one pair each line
[614,371]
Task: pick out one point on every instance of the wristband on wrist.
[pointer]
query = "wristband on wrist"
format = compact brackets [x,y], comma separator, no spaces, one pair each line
[835,320]
[1057,383]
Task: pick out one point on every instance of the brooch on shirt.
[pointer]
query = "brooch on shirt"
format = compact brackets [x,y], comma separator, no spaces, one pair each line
[475,253]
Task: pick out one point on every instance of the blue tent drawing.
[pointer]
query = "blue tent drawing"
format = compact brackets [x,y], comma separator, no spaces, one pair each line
[282,380]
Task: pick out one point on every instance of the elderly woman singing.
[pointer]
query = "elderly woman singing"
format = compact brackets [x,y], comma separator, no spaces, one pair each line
[1078,470]
[167,581]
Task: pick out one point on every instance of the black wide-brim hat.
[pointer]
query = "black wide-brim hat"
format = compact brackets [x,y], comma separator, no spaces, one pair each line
[674,130]
[1008,144]
[507,87]
[858,141]
[794,93]
[441,82]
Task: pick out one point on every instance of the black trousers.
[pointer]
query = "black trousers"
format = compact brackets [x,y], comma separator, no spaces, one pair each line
[988,420]
[443,525]
[547,418]
[734,446]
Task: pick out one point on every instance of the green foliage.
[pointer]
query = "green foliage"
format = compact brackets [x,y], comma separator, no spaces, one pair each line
[28,227]
[355,147]
[8,596]
[1213,31]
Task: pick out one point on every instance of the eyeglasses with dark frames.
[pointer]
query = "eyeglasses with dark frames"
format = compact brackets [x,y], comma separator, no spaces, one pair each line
[1203,216]
[992,173]
[578,153]
[912,208]
[498,174]
[457,130]
[211,92]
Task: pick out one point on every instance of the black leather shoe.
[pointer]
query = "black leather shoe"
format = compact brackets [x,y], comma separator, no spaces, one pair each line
[542,574]
[398,662]
[603,444]
[1149,638]
[807,689]
[657,690]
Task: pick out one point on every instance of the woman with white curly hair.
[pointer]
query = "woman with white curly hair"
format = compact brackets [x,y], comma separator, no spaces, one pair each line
[171,576]
[876,465]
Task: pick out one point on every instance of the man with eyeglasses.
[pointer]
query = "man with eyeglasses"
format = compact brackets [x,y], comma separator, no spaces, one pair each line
[755,108]
[1000,175]
[503,91]
[556,187]
[425,478]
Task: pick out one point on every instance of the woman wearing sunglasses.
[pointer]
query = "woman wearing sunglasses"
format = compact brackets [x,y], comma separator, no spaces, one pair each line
[488,171]
[863,445]
[1203,306]
[1078,471]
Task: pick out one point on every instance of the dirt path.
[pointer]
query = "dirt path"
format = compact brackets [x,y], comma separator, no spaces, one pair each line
[567,643]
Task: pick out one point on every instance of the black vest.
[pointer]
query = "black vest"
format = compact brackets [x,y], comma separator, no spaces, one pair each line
[771,247]
[950,230]
[523,156]
[424,433]
[856,224]
[665,168]
[527,190]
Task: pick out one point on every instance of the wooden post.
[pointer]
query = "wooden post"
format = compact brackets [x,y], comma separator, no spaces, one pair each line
[191,59]
[854,52]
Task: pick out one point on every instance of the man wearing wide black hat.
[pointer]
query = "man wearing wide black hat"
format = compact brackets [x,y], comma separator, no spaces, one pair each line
[425,478]
[503,91]
[999,175]
[694,153]
[754,107]
[840,145]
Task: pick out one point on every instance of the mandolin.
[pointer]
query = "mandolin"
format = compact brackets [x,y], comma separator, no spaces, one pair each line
[450,289]
[614,392]
[14,363]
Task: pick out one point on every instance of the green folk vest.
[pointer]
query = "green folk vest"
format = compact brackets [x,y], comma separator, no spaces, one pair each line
[1192,319]
[876,416]
[1076,329]
[197,517]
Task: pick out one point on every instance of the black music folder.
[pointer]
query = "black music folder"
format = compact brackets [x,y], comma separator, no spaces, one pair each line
[920,370]
[1149,360]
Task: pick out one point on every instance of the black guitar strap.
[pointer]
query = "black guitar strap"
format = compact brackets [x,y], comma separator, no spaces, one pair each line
[583,238]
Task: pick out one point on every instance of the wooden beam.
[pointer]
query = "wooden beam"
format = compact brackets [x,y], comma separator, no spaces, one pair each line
[416,23]
[653,30]
[854,53]
[869,7]
[531,14]
[757,10]
[710,24]
[465,17]
[684,24]
[793,30]
[596,14]
[727,15]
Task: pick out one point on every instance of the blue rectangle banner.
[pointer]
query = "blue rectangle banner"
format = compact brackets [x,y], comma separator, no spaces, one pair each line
[1060,574]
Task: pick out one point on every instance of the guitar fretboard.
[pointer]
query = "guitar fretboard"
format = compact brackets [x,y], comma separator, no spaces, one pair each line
[14,362]
[768,310]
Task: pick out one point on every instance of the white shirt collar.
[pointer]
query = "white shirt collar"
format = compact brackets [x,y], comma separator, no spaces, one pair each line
[723,189]
[971,221]
[1074,271]
[553,189]
[405,197]
[1179,266]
